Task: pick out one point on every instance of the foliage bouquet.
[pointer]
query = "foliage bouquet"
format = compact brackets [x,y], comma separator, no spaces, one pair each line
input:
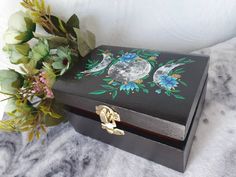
[42,59]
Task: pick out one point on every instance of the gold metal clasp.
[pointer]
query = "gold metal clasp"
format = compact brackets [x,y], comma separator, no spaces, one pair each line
[108,118]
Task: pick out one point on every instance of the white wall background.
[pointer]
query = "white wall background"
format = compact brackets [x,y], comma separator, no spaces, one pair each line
[174,25]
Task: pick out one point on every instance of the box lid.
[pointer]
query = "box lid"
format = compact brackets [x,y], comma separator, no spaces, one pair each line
[152,90]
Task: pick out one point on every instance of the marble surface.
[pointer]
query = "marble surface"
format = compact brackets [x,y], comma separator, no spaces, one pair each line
[65,153]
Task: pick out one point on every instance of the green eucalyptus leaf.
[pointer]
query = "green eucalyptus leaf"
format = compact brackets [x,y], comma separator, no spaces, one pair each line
[57,41]
[85,41]
[73,22]
[30,25]
[54,41]
[17,53]
[50,75]
[50,121]
[90,39]
[60,27]
[58,65]
[10,106]
[10,81]
[40,50]
[30,67]
[24,37]
[64,52]
[23,49]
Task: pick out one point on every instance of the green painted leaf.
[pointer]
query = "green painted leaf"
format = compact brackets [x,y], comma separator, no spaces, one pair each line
[158,91]
[91,64]
[183,83]
[145,90]
[121,52]
[108,87]
[175,91]
[114,94]
[152,84]
[127,92]
[79,76]
[98,73]
[107,79]
[170,61]
[179,97]
[168,92]
[181,59]
[98,92]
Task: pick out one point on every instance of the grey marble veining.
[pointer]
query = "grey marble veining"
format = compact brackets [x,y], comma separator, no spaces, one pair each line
[65,153]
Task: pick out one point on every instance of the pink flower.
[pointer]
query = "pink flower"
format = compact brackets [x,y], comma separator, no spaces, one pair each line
[40,85]
[49,93]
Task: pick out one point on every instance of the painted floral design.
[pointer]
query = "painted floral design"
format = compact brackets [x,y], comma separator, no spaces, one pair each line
[168,82]
[128,72]
[129,86]
[127,57]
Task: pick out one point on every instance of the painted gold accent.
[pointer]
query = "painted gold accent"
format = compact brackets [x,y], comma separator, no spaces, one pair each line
[109,118]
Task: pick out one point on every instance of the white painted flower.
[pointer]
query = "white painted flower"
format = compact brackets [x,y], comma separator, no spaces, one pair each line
[20,28]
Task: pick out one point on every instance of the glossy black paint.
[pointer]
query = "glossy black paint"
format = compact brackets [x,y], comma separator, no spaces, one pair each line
[161,114]
[157,127]
[168,152]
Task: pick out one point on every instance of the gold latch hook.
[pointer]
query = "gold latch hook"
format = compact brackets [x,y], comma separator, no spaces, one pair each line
[108,118]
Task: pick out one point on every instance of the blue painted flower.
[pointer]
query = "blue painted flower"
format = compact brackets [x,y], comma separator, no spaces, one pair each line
[114,83]
[128,57]
[168,82]
[129,86]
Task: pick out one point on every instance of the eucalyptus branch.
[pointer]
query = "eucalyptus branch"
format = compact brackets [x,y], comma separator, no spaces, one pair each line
[9,94]
[6,99]
[44,15]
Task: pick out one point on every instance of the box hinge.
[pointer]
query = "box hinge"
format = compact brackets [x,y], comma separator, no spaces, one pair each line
[109,118]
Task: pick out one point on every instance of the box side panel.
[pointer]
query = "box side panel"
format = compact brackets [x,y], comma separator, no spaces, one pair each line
[156,125]
[194,126]
[169,156]
[141,146]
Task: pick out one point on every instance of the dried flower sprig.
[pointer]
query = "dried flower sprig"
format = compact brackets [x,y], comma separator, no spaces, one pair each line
[40,13]
[30,99]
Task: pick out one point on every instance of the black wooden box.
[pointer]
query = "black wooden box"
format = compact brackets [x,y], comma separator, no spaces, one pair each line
[142,101]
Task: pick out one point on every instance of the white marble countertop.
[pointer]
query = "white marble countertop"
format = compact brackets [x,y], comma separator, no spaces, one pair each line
[63,152]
